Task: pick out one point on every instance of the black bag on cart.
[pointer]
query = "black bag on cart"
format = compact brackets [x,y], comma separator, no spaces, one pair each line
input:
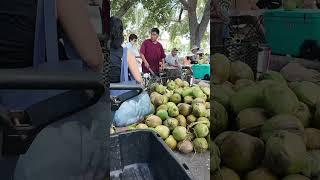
[63,134]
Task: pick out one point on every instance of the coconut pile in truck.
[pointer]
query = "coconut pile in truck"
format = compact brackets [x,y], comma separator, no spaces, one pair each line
[272,120]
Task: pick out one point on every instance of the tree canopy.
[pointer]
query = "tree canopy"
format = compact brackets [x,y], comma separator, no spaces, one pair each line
[170,16]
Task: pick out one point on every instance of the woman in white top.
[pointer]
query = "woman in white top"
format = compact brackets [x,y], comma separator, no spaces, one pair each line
[131,46]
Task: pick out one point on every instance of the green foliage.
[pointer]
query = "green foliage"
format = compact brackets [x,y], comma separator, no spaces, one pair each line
[164,14]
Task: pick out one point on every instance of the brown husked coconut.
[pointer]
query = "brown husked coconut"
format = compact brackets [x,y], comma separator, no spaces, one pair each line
[312,138]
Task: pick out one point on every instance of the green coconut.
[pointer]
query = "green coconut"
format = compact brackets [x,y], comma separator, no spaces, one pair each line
[199,110]
[220,95]
[303,114]
[163,114]
[295,177]
[159,100]
[242,162]
[171,123]
[200,145]
[163,131]
[204,120]
[215,159]
[307,92]
[188,99]
[171,85]
[242,83]
[280,100]
[273,75]
[219,122]
[225,174]
[284,122]
[142,126]
[198,100]
[178,91]
[179,82]
[175,98]
[261,174]
[171,142]
[163,107]
[285,153]
[173,111]
[153,121]
[221,137]
[201,130]
[185,109]
[316,119]
[191,118]
[248,97]
[179,133]
[187,92]
[160,89]
[240,70]
[220,68]
[312,169]
[250,120]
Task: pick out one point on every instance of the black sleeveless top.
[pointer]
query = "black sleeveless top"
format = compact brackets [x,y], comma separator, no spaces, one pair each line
[115,64]
[17,27]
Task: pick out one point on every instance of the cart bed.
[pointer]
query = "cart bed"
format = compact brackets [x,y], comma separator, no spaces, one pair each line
[142,155]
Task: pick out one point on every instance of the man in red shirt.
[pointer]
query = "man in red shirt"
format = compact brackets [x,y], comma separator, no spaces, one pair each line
[152,53]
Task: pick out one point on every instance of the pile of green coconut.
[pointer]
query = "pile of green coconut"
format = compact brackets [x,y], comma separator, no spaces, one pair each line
[180,116]
[265,128]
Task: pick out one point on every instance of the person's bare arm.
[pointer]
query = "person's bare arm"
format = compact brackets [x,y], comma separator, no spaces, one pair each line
[75,22]
[146,64]
[142,52]
[132,63]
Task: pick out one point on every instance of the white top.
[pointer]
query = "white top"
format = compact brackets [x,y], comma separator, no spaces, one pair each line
[135,52]
[172,60]
[133,49]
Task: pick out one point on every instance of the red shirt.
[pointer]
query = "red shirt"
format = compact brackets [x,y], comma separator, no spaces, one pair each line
[154,53]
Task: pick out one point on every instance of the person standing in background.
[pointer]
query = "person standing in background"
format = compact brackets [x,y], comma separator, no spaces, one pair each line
[173,59]
[194,57]
[132,46]
[152,53]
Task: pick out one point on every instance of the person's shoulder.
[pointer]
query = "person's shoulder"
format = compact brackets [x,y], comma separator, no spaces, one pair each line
[146,41]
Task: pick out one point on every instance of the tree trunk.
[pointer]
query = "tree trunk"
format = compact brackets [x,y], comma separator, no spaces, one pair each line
[197,29]
[125,7]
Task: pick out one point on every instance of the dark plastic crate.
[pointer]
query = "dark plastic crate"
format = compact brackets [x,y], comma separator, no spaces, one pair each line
[143,155]
[246,52]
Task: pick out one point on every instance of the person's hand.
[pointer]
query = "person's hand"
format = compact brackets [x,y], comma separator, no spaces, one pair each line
[146,64]
[161,65]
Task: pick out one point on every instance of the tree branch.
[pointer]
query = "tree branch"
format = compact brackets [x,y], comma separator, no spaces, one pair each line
[180,14]
[205,18]
[125,7]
